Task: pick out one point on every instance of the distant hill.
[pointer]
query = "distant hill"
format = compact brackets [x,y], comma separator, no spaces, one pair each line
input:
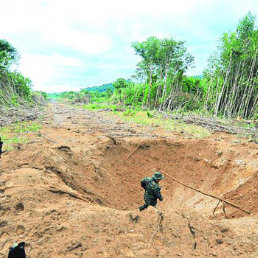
[100,88]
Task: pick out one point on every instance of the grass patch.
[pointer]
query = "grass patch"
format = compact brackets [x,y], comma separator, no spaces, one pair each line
[142,117]
[97,106]
[139,116]
[26,127]
[129,112]
[9,142]
[146,118]
[15,133]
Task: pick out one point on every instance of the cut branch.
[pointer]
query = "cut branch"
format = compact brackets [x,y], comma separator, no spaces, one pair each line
[48,138]
[133,151]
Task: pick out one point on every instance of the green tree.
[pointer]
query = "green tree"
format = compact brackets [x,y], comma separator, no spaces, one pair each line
[232,72]
[148,51]
[164,61]
[119,85]
[14,87]
[8,55]
[174,61]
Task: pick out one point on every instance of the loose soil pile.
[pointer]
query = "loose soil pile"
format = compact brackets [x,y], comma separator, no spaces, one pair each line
[73,191]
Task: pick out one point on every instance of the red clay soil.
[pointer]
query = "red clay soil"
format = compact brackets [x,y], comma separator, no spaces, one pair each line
[73,191]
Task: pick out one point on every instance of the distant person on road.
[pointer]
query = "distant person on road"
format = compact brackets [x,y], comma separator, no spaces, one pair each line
[1,146]
[152,190]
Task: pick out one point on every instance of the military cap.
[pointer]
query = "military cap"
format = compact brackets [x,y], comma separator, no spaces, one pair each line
[158,175]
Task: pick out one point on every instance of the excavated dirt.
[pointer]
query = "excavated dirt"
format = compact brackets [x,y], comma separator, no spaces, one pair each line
[73,191]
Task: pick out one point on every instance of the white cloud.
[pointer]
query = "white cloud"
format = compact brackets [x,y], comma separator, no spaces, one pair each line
[79,40]
[55,88]
[52,23]
[66,43]
[43,69]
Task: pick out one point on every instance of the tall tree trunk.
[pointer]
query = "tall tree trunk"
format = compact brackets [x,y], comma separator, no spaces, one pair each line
[165,87]
[223,86]
[143,94]
[208,93]
[251,87]
[150,83]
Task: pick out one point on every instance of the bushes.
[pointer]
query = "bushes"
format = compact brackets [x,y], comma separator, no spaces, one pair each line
[14,87]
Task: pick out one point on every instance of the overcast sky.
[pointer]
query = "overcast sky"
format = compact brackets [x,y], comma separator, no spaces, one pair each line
[73,44]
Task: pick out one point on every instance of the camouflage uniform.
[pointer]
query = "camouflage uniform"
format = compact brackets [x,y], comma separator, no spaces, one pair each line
[152,190]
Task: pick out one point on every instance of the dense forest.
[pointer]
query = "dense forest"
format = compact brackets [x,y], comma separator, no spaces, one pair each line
[228,86]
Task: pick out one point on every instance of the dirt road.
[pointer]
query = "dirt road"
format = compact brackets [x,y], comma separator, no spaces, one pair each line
[73,191]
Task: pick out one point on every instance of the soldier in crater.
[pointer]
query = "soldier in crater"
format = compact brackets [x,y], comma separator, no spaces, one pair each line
[152,190]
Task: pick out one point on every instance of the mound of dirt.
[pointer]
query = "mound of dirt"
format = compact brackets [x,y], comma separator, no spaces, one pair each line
[73,191]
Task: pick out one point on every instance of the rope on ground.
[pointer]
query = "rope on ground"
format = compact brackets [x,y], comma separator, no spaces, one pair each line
[210,195]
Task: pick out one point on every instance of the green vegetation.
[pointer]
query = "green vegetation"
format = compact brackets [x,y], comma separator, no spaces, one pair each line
[92,106]
[15,133]
[163,64]
[129,112]
[91,94]
[25,127]
[14,87]
[145,118]
[227,88]
[9,142]
[102,88]
[231,79]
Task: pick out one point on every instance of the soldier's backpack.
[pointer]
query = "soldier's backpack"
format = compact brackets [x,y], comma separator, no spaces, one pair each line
[145,182]
[17,251]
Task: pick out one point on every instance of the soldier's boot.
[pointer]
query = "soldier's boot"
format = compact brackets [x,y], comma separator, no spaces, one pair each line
[143,207]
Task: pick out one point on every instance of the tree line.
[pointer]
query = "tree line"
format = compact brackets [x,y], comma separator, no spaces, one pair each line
[228,87]
[232,73]
[14,87]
